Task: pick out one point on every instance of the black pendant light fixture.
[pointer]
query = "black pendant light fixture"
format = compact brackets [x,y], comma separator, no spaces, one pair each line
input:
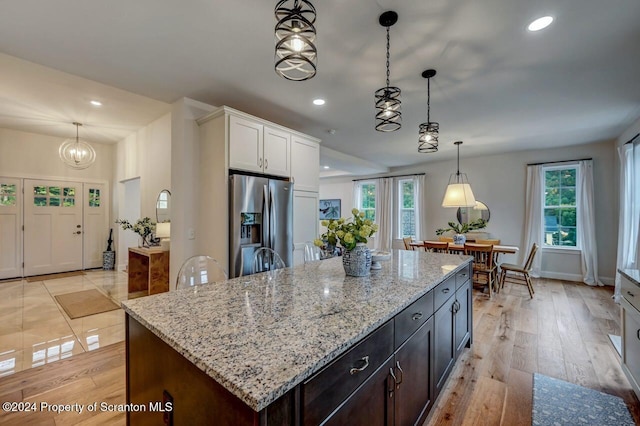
[296,54]
[429,131]
[388,105]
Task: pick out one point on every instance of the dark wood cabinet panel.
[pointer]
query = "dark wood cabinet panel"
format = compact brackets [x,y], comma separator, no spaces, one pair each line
[369,405]
[443,292]
[410,319]
[462,317]
[413,397]
[444,353]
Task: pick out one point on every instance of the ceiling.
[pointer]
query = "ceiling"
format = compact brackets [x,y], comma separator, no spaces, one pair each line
[498,87]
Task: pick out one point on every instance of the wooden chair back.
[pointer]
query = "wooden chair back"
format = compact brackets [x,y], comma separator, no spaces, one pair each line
[445,239]
[436,247]
[482,255]
[406,241]
[489,242]
[532,253]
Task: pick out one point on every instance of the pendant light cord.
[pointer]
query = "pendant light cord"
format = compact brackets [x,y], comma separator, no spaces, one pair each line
[428,100]
[388,43]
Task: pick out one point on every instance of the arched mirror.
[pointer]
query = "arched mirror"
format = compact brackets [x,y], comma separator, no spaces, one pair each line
[163,206]
[471,214]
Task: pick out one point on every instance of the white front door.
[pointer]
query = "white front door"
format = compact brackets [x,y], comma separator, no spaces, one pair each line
[10,228]
[96,228]
[52,226]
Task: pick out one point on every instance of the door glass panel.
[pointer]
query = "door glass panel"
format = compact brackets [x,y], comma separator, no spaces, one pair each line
[94,197]
[39,190]
[7,194]
[54,201]
[69,202]
[40,201]
[69,192]
[54,190]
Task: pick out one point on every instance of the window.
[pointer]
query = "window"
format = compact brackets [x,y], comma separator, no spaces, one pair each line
[366,199]
[94,197]
[407,208]
[7,194]
[54,196]
[560,207]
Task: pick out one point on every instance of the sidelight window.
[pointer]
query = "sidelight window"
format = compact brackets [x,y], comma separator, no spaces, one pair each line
[8,195]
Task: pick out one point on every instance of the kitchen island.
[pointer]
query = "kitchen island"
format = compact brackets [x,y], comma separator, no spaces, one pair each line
[302,345]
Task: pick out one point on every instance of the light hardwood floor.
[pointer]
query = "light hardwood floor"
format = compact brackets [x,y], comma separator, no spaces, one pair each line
[561,333]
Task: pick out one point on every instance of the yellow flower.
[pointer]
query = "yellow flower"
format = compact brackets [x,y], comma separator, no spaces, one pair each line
[361,214]
[375,227]
[348,238]
[332,225]
[340,221]
[365,231]
[355,212]
[324,223]
[368,222]
[340,234]
[318,242]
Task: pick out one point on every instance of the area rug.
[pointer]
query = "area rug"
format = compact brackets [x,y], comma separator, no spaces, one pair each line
[556,402]
[616,341]
[84,303]
[54,276]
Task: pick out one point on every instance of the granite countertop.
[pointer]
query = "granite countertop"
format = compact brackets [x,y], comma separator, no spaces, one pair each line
[261,335]
[632,275]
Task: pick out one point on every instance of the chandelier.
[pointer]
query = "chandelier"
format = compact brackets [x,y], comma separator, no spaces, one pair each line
[77,153]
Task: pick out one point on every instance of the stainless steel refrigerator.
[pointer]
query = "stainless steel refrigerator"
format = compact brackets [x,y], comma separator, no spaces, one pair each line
[261,216]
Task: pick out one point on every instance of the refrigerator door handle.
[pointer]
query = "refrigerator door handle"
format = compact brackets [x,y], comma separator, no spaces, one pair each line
[272,220]
[266,219]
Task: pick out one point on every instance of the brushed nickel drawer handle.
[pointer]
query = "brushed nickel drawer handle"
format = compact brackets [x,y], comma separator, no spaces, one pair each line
[260,162]
[446,290]
[400,375]
[638,334]
[631,294]
[416,316]
[355,370]
[266,163]
[463,275]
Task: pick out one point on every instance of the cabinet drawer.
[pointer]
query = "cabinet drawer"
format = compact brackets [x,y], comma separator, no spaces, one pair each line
[443,292]
[631,292]
[410,319]
[323,392]
[463,276]
[631,343]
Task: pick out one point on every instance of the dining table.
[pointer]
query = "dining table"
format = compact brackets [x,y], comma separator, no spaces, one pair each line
[498,248]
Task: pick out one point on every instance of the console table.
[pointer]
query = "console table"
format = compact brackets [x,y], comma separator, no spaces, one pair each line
[148,270]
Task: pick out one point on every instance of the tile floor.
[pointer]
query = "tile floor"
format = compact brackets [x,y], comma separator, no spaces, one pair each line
[35,330]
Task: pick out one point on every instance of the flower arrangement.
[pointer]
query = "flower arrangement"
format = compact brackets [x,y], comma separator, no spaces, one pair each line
[463,228]
[348,232]
[143,227]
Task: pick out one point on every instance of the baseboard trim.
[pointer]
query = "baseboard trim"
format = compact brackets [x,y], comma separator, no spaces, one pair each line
[573,277]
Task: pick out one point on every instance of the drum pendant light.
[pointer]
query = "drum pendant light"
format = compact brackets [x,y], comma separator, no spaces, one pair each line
[458,193]
[77,153]
[388,105]
[428,132]
[296,54]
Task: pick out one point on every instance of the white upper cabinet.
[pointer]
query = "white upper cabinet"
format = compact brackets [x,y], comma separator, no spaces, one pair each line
[305,164]
[246,144]
[258,148]
[277,152]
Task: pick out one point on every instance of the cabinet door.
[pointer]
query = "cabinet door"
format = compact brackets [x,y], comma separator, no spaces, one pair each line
[443,344]
[463,317]
[305,164]
[245,145]
[371,404]
[277,152]
[631,342]
[305,222]
[413,371]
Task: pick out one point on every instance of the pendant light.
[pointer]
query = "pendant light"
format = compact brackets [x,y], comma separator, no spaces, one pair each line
[77,153]
[458,192]
[388,105]
[428,132]
[296,54]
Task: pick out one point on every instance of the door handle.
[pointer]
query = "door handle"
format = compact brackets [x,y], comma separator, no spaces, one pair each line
[78,226]
[416,316]
[631,294]
[266,164]
[401,375]
[260,162]
[446,290]
[638,334]
[77,232]
[391,388]
[365,363]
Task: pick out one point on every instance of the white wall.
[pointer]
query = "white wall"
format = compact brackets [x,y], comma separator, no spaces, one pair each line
[500,182]
[145,154]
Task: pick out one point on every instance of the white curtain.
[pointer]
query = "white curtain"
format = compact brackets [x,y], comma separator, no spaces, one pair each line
[587,224]
[533,216]
[421,208]
[384,214]
[629,223]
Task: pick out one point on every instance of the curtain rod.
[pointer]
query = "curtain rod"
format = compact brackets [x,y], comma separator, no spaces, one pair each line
[554,162]
[395,176]
[632,139]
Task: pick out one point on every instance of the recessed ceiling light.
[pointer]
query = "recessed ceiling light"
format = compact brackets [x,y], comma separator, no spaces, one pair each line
[540,23]
[96,103]
[326,167]
[318,102]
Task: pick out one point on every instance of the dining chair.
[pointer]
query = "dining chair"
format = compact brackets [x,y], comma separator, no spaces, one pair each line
[436,247]
[513,272]
[492,242]
[484,271]
[266,259]
[407,243]
[198,270]
[311,252]
[445,239]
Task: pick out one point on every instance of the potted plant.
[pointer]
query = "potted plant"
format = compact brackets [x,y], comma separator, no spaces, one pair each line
[352,234]
[462,228]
